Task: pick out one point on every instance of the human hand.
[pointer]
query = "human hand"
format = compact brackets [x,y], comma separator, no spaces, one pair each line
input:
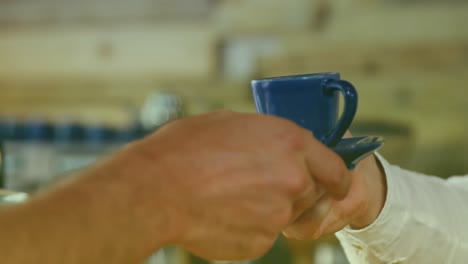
[358,209]
[233,182]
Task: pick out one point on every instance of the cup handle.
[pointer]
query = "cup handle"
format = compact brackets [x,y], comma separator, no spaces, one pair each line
[350,106]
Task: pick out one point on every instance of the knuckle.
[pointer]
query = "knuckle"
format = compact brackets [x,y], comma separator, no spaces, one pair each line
[334,179]
[334,173]
[337,174]
[296,183]
[293,138]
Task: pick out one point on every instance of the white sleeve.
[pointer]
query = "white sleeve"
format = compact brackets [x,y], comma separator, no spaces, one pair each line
[424,220]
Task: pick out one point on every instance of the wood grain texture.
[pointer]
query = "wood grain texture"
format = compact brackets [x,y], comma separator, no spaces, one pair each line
[144,51]
[408,60]
[262,16]
[24,13]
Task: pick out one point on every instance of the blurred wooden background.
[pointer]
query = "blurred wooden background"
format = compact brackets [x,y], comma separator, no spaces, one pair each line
[98,61]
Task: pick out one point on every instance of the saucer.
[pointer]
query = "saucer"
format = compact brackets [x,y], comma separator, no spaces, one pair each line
[353,150]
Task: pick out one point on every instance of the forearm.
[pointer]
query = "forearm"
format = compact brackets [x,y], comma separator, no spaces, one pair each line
[423,221]
[90,220]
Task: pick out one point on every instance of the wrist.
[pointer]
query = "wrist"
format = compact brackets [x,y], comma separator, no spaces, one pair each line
[139,192]
[119,200]
[78,221]
[377,190]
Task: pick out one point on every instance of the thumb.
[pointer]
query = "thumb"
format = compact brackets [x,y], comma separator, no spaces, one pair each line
[327,169]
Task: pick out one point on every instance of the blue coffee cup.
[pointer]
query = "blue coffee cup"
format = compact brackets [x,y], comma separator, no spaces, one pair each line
[310,100]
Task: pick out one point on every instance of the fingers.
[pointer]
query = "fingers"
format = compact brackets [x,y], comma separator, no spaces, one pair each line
[324,166]
[308,225]
[327,168]
[306,200]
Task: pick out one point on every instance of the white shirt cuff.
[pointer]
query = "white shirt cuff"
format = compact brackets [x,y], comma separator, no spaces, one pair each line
[388,226]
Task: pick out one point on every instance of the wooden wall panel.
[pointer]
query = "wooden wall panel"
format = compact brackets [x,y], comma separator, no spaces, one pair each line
[367,58]
[260,16]
[99,60]
[27,12]
[114,101]
[144,51]
[398,24]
